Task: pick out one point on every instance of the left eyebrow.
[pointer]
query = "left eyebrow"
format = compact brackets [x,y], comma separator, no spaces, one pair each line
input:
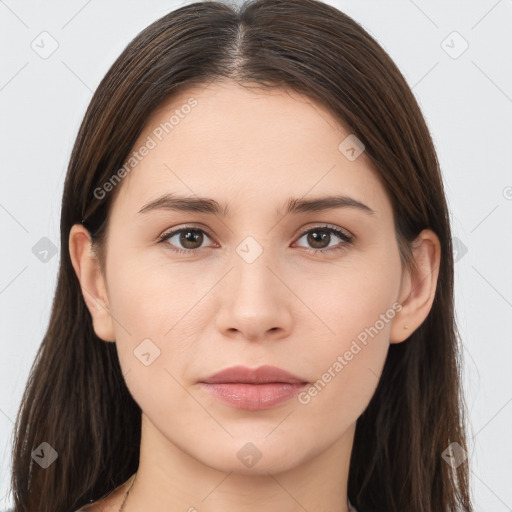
[293,205]
[325,203]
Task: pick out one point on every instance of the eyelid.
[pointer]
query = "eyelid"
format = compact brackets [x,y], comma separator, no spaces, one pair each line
[190,225]
[166,235]
[302,231]
[350,238]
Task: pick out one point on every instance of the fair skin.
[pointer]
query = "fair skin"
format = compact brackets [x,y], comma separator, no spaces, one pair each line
[210,309]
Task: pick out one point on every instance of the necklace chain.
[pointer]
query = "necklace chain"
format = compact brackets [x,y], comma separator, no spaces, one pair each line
[121,508]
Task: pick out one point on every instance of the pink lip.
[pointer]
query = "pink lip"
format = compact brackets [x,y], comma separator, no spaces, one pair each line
[253,389]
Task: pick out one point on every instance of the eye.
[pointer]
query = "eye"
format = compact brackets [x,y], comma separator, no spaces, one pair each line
[190,237]
[321,237]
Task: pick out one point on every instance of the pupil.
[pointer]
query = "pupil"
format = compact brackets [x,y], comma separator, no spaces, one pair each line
[190,237]
[314,239]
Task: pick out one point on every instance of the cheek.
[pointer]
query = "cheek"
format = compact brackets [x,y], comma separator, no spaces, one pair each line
[351,299]
[346,366]
[149,297]
[357,307]
[143,316]
[149,309]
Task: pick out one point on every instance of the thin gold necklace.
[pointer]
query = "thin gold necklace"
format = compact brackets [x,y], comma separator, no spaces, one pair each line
[121,508]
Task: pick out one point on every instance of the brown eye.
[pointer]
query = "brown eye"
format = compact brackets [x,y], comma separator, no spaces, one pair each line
[319,239]
[186,239]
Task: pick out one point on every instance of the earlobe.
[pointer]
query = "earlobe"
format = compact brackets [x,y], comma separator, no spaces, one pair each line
[92,281]
[418,287]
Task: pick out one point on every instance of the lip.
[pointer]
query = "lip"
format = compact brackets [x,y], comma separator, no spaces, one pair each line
[253,389]
[262,375]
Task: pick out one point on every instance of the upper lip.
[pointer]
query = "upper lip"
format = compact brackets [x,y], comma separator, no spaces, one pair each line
[261,375]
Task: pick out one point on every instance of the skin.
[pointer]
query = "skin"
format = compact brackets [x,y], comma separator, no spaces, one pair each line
[210,310]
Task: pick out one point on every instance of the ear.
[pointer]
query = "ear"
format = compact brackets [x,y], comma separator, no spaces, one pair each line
[418,287]
[92,281]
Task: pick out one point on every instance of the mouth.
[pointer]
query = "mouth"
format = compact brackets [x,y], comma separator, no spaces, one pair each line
[253,389]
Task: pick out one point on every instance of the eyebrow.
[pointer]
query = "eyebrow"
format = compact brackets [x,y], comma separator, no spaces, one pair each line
[292,206]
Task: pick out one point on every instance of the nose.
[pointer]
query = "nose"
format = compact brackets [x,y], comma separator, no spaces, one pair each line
[255,304]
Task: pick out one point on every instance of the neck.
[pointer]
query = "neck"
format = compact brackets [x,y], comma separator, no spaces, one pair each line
[169,479]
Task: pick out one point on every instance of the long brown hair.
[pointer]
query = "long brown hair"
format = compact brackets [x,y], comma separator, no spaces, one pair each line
[76,399]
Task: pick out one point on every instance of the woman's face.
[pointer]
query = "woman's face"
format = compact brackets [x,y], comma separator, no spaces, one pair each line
[245,286]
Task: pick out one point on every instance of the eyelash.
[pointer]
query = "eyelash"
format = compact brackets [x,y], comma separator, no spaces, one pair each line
[345,237]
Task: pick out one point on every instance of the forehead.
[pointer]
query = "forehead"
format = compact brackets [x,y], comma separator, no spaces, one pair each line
[240,144]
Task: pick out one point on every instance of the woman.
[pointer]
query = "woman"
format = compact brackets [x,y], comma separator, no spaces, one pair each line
[254,308]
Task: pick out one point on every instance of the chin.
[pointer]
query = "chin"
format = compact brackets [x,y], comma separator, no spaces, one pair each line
[253,458]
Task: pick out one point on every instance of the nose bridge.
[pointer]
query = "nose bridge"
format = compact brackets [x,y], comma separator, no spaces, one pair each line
[255,300]
[253,261]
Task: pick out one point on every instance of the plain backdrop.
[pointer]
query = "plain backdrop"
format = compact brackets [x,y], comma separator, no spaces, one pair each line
[456,56]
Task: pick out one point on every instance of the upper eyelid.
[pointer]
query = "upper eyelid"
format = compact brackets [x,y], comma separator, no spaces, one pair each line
[174,231]
[300,233]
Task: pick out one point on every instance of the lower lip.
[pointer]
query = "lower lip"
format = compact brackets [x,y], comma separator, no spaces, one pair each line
[253,397]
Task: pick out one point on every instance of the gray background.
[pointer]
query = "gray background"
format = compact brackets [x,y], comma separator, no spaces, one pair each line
[467,101]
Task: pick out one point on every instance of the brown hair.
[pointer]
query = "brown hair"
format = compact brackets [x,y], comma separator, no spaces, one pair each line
[76,398]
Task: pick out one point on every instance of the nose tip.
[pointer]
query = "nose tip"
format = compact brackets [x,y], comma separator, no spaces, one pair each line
[253,303]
